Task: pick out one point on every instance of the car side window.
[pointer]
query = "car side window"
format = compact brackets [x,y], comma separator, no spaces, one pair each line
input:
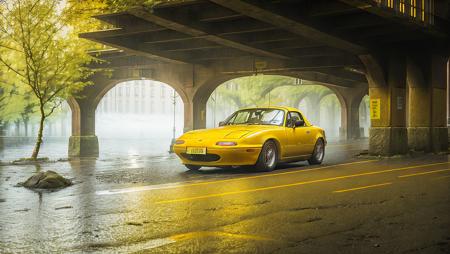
[292,118]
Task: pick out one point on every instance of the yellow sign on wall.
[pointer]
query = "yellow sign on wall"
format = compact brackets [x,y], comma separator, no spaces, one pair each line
[375,105]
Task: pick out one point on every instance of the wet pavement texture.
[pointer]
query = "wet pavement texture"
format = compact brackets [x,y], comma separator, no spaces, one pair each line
[56,148]
[152,204]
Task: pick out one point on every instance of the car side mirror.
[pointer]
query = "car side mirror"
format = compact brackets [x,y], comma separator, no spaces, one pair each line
[299,123]
[221,123]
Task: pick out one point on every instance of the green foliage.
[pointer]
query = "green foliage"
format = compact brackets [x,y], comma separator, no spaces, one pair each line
[41,54]
[253,90]
[263,90]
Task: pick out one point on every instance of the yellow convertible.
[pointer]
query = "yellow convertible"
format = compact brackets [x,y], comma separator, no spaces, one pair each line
[261,137]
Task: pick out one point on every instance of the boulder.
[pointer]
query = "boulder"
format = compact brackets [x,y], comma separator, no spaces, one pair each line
[46,180]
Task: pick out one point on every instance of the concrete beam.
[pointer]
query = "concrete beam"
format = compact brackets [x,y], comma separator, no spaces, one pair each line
[115,32]
[195,31]
[344,74]
[290,25]
[298,52]
[246,64]
[152,54]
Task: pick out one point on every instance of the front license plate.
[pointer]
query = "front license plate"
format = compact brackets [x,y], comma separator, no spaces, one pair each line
[196,150]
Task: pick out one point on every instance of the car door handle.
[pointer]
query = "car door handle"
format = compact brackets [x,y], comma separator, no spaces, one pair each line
[307,132]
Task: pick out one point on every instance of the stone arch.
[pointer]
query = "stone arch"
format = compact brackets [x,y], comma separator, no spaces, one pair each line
[362,124]
[112,83]
[300,99]
[204,91]
[84,141]
[201,96]
[75,109]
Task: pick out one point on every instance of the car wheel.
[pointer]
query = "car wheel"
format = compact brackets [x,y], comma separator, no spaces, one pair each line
[318,154]
[192,167]
[268,157]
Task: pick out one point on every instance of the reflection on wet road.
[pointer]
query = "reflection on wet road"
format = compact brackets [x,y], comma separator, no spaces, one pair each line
[153,205]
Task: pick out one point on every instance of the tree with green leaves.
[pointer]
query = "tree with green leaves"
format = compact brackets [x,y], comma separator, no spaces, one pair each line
[40,50]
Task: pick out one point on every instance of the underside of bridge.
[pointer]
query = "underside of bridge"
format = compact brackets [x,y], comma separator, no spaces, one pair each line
[395,51]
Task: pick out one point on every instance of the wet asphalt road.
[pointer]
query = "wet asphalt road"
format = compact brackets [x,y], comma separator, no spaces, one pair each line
[153,205]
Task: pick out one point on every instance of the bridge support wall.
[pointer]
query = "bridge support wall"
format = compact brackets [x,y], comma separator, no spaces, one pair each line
[427,129]
[83,142]
[387,91]
[407,117]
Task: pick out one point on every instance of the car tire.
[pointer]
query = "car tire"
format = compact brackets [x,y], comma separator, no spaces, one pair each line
[318,154]
[192,167]
[268,157]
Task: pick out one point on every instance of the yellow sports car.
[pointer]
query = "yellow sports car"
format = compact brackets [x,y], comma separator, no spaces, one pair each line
[254,136]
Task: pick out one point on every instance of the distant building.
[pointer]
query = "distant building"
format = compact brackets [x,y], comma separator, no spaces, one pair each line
[139,97]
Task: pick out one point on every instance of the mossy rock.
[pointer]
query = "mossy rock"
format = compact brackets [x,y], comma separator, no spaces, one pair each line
[46,180]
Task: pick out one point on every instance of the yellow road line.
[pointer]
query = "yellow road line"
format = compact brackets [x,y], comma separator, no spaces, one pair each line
[203,234]
[425,173]
[274,174]
[362,187]
[187,184]
[296,184]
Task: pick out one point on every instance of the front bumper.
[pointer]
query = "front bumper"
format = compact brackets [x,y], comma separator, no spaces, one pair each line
[223,156]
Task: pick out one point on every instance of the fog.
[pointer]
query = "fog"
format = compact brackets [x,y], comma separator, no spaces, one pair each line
[137,118]
[318,103]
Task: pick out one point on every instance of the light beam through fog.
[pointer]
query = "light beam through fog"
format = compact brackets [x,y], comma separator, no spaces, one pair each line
[137,118]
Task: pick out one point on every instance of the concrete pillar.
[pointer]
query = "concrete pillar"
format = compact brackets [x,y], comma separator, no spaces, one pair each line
[438,85]
[387,90]
[83,142]
[427,127]
[419,99]
[350,100]
[353,130]
[199,113]
[448,93]
[188,117]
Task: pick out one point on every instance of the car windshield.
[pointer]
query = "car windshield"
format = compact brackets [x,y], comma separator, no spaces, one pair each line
[259,116]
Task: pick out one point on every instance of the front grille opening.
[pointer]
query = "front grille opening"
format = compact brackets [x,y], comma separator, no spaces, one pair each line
[201,157]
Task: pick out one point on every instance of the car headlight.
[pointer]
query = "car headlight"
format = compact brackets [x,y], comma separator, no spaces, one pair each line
[179,142]
[226,143]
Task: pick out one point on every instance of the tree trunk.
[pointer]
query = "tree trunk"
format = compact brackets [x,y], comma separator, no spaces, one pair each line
[37,146]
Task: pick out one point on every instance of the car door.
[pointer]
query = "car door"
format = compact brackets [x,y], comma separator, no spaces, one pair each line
[309,138]
[298,138]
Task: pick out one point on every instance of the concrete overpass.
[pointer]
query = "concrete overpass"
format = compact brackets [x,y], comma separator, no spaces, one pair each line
[395,51]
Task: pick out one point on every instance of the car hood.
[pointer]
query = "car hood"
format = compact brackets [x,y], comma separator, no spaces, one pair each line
[225,132]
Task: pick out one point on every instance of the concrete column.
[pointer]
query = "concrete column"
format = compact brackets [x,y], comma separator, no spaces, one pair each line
[83,142]
[188,117]
[352,121]
[419,99]
[199,114]
[387,89]
[350,100]
[448,92]
[438,85]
